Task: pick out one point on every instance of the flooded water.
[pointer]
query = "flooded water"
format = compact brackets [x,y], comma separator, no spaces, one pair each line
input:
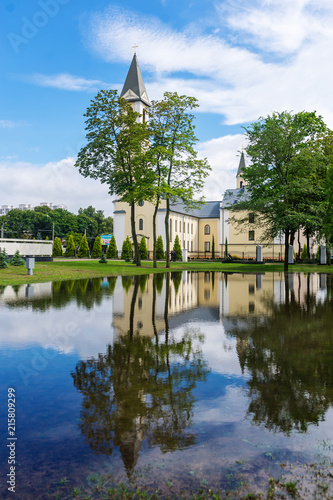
[172,382]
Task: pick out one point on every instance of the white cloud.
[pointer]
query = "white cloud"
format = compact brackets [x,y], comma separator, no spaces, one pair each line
[12,124]
[231,71]
[56,182]
[65,81]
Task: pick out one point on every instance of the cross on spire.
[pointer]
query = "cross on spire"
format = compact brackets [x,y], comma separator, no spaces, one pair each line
[135,47]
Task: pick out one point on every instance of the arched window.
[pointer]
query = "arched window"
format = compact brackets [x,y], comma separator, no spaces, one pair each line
[207,229]
[140,224]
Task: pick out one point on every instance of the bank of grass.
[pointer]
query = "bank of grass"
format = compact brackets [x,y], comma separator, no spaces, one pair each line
[63,269]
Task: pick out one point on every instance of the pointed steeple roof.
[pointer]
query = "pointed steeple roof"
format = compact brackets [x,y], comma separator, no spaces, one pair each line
[241,165]
[134,89]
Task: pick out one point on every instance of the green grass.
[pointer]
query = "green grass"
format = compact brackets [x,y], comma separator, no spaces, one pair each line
[63,269]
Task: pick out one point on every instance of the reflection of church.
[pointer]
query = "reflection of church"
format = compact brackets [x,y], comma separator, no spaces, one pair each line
[198,228]
[207,296]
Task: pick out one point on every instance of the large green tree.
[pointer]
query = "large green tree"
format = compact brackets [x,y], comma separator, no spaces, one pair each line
[117,144]
[179,173]
[281,188]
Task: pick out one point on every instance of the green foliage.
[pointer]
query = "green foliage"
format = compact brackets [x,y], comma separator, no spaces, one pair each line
[143,248]
[226,252]
[117,151]
[179,174]
[97,248]
[57,247]
[77,237]
[70,247]
[126,251]
[304,254]
[112,252]
[84,248]
[177,248]
[3,259]
[17,260]
[284,179]
[160,255]
[103,259]
[213,248]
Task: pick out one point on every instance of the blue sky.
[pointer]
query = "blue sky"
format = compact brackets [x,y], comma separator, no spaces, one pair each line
[240,59]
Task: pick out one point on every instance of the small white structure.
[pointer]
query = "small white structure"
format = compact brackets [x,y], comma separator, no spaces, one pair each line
[31,248]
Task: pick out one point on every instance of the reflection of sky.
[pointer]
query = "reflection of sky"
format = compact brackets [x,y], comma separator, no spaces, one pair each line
[39,350]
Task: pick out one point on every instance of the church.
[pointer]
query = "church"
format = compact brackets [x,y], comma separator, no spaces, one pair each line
[200,231]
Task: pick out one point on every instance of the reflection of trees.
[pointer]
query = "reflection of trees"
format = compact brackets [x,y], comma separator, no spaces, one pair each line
[288,355]
[141,388]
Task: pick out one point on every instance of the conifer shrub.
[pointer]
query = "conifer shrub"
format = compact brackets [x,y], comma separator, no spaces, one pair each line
[70,247]
[213,248]
[126,251]
[304,254]
[143,248]
[160,255]
[103,259]
[177,248]
[112,252]
[84,248]
[3,259]
[57,247]
[97,248]
[17,260]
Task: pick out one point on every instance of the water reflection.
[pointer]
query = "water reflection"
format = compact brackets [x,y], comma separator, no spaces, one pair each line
[171,362]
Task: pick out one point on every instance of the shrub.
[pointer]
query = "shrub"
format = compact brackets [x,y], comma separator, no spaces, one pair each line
[126,251]
[84,247]
[17,260]
[213,248]
[177,249]
[112,249]
[304,254]
[103,259]
[160,255]
[3,259]
[143,248]
[57,248]
[70,247]
[97,248]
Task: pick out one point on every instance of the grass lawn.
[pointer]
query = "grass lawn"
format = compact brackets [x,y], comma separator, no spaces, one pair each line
[62,269]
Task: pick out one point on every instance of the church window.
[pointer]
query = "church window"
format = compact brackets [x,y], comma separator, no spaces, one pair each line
[251,235]
[141,203]
[175,225]
[241,184]
[144,115]
[207,246]
[207,229]
[251,218]
[140,224]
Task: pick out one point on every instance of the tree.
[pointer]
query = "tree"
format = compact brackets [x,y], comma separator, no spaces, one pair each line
[179,174]
[160,255]
[17,260]
[143,248]
[97,248]
[84,248]
[280,180]
[112,252]
[116,151]
[126,251]
[70,247]
[305,253]
[57,247]
[3,259]
[177,248]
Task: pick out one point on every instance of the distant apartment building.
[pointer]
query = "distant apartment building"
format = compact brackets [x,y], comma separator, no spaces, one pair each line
[23,206]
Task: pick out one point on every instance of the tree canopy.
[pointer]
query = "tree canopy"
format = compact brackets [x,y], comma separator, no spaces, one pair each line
[282,179]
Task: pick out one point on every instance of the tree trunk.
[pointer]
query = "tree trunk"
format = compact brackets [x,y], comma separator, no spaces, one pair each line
[135,240]
[154,233]
[286,249]
[167,233]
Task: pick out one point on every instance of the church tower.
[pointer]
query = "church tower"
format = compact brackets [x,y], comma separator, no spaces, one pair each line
[239,175]
[134,90]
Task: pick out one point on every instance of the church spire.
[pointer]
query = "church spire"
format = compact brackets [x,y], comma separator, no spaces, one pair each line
[134,89]
[240,171]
